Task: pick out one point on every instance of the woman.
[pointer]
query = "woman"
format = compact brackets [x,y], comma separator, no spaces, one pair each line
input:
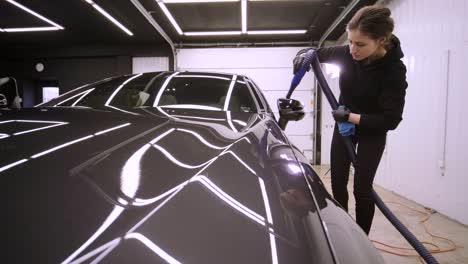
[372,84]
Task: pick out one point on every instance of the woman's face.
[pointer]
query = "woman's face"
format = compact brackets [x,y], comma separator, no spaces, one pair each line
[361,46]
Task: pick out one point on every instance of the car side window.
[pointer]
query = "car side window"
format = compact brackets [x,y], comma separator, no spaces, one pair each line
[257,97]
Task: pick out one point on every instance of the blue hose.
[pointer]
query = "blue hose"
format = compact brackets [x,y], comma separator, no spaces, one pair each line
[312,59]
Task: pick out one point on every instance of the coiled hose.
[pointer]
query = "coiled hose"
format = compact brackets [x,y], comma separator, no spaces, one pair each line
[312,59]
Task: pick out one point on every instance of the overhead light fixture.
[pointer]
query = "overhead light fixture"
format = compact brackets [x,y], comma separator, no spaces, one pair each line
[213,33]
[30,29]
[244,16]
[197,1]
[112,19]
[34,14]
[276,32]
[170,17]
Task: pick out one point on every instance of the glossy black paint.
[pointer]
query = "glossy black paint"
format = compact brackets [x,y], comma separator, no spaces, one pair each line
[165,185]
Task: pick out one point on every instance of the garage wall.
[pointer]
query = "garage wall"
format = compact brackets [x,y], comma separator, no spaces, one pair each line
[271,69]
[426,157]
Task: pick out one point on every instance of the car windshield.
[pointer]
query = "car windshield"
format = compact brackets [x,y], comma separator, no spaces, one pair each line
[216,92]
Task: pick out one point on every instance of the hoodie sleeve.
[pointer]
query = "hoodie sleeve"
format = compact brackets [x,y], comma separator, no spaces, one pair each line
[391,101]
[333,55]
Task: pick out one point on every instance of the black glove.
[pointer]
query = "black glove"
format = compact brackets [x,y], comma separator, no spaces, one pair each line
[341,114]
[297,62]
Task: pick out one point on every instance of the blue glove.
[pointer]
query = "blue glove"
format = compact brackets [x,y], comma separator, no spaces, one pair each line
[346,128]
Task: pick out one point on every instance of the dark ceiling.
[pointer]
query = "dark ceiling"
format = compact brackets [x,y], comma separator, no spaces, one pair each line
[85,26]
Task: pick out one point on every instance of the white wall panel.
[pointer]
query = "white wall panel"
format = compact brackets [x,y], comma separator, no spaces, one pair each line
[434,39]
[271,70]
[149,64]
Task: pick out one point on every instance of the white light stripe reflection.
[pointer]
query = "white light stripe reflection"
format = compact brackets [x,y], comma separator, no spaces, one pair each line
[109,100]
[163,87]
[200,138]
[61,146]
[276,32]
[202,76]
[110,244]
[192,106]
[130,175]
[196,1]
[121,110]
[110,18]
[36,129]
[244,15]
[240,160]
[274,253]
[170,17]
[111,129]
[63,94]
[229,200]
[200,118]
[163,254]
[228,116]
[81,98]
[229,93]
[7,121]
[143,202]
[4,168]
[104,254]
[70,98]
[35,14]
[212,33]
[176,161]
[239,122]
[4,136]
[162,136]
[30,29]
[109,220]
[39,121]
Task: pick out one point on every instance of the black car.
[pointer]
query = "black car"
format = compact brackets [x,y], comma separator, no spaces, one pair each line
[166,167]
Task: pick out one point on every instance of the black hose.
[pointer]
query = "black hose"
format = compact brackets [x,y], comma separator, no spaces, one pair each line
[311,59]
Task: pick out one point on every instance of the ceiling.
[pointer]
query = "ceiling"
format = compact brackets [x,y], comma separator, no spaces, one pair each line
[84,25]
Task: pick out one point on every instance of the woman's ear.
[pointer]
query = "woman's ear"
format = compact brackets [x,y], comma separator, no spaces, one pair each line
[382,41]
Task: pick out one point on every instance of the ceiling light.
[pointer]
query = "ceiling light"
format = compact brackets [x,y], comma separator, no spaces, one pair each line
[275,32]
[170,17]
[34,13]
[30,29]
[196,1]
[213,33]
[244,16]
[113,20]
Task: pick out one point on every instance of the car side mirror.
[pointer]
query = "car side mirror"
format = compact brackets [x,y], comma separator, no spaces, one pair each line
[289,110]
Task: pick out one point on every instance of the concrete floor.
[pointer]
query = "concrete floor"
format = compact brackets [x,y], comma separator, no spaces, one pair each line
[384,232]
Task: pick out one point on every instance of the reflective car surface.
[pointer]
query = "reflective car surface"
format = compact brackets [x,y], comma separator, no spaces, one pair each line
[167,167]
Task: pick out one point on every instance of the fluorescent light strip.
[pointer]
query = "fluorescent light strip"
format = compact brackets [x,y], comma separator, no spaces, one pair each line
[196,1]
[4,168]
[229,93]
[203,76]
[34,14]
[4,136]
[170,17]
[7,121]
[112,19]
[176,161]
[213,33]
[40,128]
[111,129]
[109,100]
[163,87]
[244,16]
[275,32]
[61,146]
[163,254]
[83,96]
[30,29]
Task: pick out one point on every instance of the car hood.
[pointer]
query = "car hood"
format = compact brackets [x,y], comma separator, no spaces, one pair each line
[147,185]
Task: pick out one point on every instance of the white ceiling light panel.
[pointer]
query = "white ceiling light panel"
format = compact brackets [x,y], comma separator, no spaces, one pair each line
[109,17]
[55,26]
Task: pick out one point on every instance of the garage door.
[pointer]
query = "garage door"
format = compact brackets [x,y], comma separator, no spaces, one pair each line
[271,69]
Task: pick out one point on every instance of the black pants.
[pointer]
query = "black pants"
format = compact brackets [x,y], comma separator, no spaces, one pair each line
[369,153]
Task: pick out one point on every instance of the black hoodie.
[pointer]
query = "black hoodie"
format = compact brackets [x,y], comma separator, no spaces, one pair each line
[375,90]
